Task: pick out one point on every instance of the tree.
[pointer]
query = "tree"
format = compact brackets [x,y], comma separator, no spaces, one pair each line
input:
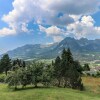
[19,62]
[78,66]
[68,70]
[67,61]
[74,72]
[69,56]
[13,79]
[20,76]
[23,64]
[86,67]
[58,70]
[75,78]
[47,75]
[64,62]
[24,76]
[5,63]
[37,72]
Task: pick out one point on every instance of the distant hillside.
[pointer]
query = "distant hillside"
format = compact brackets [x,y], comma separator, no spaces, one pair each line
[31,51]
[82,49]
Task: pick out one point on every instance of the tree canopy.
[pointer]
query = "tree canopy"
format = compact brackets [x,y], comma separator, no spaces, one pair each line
[5,63]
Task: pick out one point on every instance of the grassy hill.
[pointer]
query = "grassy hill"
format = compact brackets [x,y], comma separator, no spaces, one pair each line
[92,92]
[46,94]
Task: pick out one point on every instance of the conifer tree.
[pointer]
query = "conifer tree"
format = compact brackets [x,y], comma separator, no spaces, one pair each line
[58,70]
[86,67]
[5,63]
[64,62]
[70,70]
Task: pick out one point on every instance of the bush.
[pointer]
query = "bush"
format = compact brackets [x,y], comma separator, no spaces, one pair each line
[98,74]
[2,78]
[88,74]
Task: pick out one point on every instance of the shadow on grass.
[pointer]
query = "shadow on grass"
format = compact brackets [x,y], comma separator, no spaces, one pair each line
[29,88]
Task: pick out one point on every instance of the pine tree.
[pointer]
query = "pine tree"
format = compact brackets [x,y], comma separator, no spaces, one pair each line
[67,61]
[23,64]
[74,76]
[78,66]
[64,62]
[86,67]
[19,63]
[5,63]
[71,70]
[58,70]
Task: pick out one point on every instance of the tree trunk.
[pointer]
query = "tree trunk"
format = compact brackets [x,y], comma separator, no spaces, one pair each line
[65,84]
[15,87]
[6,73]
[58,82]
[36,85]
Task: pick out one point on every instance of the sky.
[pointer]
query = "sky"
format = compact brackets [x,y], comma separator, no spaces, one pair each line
[47,21]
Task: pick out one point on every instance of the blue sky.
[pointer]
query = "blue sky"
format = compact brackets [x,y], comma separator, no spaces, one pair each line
[39,21]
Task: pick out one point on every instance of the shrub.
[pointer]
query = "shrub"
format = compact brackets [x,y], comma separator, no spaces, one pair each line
[2,78]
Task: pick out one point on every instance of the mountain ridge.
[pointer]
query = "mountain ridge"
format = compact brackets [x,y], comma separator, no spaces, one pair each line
[77,46]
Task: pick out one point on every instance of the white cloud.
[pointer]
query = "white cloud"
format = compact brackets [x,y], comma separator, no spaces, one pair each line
[57,38]
[52,12]
[7,31]
[51,31]
[24,27]
[54,32]
[75,17]
[84,28]
[87,20]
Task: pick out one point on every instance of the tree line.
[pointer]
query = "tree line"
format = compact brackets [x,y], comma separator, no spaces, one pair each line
[63,72]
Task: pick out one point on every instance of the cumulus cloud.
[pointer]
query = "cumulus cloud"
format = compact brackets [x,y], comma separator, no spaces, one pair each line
[57,38]
[43,12]
[75,17]
[7,31]
[84,28]
[51,31]
[54,32]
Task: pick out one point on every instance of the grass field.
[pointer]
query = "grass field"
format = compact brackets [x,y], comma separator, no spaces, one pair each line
[92,84]
[54,93]
[46,94]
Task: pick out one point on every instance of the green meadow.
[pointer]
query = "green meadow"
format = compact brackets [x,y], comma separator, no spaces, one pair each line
[46,94]
[92,92]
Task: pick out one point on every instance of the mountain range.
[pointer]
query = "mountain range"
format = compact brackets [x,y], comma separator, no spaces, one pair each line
[83,49]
